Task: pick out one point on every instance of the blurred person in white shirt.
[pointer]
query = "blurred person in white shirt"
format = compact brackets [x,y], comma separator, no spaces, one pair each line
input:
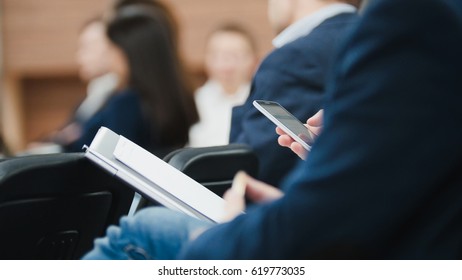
[230,61]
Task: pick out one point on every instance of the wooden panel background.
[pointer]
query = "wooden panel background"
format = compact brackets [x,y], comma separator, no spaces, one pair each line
[41,87]
[199,17]
[41,35]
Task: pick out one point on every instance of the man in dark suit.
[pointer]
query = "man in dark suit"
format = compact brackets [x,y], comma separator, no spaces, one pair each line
[294,75]
[384,178]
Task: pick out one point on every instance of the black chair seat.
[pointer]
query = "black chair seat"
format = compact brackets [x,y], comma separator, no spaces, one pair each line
[54,206]
[213,167]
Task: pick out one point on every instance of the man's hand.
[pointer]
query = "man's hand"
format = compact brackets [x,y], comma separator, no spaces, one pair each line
[314,124]
[244,185]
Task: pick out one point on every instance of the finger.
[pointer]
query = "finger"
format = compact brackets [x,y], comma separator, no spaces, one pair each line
[232,197]
[239,183]
[280,131]
[299,150]
[285,140]
[316,119]
[258,191]
[316,130]
[234,205]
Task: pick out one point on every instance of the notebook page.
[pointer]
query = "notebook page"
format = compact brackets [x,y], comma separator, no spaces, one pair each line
[170,179]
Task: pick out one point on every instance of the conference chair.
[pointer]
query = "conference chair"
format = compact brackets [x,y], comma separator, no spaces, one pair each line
[53,206]
[213,167]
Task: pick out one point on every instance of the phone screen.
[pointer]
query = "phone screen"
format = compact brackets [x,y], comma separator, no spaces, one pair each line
[288,120]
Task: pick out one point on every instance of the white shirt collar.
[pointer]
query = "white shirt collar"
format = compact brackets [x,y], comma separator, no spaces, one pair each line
[305,25]
[214,87]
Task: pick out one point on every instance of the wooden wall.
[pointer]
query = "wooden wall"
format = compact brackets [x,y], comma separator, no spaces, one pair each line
[40,84]
[199,17]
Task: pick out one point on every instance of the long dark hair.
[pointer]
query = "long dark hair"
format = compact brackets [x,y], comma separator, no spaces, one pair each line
[148,39]
[150,4]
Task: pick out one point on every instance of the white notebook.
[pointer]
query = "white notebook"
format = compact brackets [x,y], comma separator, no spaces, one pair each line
[153,177]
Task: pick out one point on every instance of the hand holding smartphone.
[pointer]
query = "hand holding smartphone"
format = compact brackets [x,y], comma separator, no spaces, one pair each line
[286,121]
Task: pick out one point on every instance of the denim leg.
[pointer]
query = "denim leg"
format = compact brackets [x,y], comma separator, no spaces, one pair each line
[153,233]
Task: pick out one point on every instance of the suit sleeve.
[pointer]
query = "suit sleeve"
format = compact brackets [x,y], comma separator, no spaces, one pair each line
[122,115]
[389,154]
[297,84]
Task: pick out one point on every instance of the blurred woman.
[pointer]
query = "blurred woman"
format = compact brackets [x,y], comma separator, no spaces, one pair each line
[152,105]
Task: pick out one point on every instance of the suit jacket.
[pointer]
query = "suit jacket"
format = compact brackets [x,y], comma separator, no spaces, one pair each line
[384,180]
[294,76]
[123,114]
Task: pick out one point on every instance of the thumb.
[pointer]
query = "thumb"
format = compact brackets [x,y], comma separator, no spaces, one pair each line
[316,119]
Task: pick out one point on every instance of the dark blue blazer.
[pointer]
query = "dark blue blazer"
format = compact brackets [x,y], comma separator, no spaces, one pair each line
[384,180]
[294,76]
[123,114]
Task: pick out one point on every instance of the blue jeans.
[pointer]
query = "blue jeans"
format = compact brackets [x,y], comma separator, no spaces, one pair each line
[153,233]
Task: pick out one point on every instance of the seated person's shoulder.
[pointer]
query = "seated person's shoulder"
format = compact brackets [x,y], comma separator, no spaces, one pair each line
[124,99]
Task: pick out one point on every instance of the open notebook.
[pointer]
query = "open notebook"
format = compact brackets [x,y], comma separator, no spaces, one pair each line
[153,177]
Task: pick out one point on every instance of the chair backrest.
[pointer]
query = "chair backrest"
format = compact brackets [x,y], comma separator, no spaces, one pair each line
[214,167]
[53,206]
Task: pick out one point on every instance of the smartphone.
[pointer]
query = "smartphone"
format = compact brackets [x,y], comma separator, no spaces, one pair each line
[286,121]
